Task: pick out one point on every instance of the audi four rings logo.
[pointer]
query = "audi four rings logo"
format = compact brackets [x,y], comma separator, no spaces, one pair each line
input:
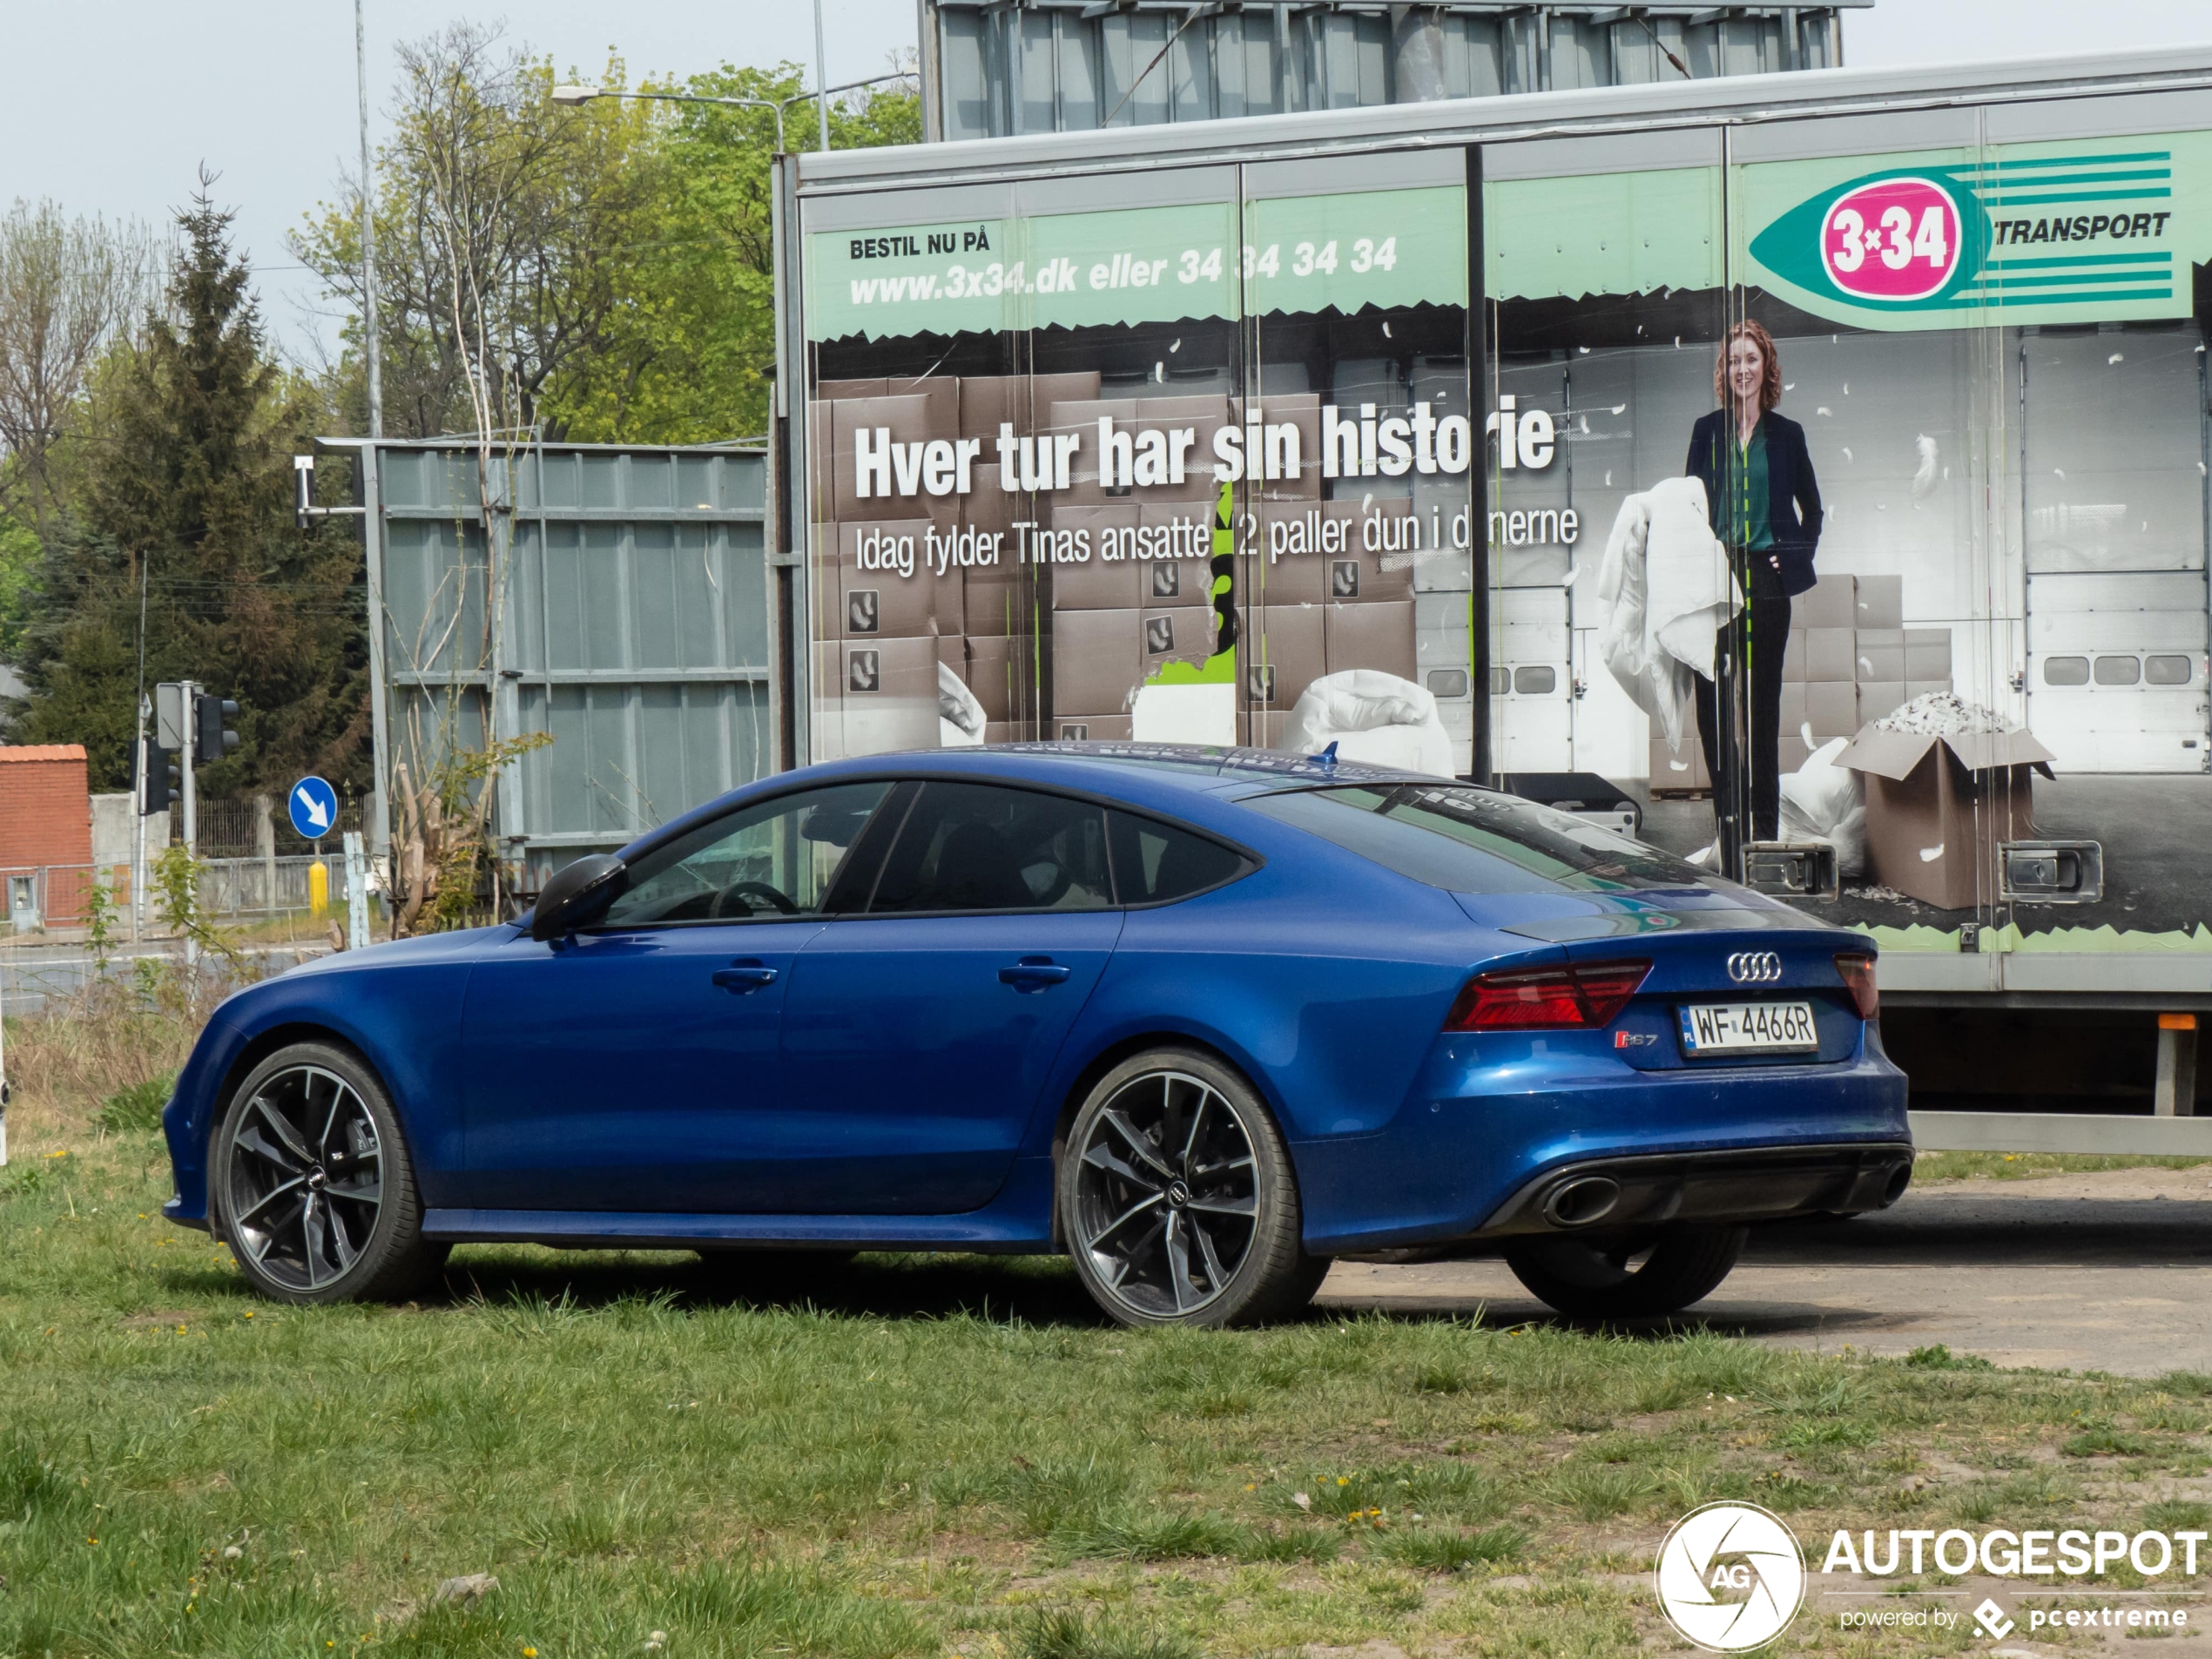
[1755,967]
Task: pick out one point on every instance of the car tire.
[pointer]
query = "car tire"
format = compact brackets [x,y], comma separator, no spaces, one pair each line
[1177,1200]
[1684,1264]
[311,1186]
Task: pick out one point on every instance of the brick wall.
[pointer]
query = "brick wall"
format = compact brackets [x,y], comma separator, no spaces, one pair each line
[45,806]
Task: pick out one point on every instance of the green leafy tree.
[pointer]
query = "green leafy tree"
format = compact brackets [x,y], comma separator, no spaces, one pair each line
[182,502]
[691,352]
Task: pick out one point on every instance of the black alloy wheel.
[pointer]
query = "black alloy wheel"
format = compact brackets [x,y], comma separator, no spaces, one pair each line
[311,1183]
[1177,1199]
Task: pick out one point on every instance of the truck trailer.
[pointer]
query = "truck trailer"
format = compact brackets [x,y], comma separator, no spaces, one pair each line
[1806,472]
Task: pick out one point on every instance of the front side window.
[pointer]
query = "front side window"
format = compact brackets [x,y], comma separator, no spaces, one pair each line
[776,858]
[1472,840]
[978,846]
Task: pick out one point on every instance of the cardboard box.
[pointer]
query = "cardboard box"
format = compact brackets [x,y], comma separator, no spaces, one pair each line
[1093,728]
[1096,667]
[1288,566]
[874,597]
[1878,697]
[1177,534]
[830,391]
[1269,728]
[1832,602]
[991,667]
[1936,808]
[1921,688]
[1880,602]
[1878,654]
[1371,635]
[1832,709]
[1097,583]
[1927,654]
[1790,752]
[931,412]
[1829,654]
[1679,772]
[1356,572]
[888,695]
[1201,415]
[993,603]
[1005,732]
[1282,654]
[1793,660]
[1176,634]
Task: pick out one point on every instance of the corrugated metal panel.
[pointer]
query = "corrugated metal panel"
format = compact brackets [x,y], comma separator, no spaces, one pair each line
[1001,67]
[633,627]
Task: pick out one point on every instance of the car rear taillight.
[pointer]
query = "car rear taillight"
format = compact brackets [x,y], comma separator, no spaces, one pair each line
[1581,995]
[1858,975]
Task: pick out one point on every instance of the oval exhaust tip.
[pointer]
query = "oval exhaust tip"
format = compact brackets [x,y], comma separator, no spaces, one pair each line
[1581,1201]
[1894,1188]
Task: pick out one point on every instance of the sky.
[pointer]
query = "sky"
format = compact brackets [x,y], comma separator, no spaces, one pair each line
[115,105]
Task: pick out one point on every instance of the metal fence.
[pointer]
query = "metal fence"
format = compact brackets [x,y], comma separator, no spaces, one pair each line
[992,68]
[55,895]
[628,623]
[231,828]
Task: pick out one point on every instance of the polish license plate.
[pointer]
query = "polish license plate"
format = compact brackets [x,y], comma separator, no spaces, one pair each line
[1748,1027]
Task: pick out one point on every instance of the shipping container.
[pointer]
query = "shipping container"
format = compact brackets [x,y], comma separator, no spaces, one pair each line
[1809,470]
[992,69]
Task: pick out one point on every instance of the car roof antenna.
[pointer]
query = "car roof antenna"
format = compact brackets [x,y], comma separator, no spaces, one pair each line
[1328,756]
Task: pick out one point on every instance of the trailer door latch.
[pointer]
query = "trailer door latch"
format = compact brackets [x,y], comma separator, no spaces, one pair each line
[2050,872]
[1792,869]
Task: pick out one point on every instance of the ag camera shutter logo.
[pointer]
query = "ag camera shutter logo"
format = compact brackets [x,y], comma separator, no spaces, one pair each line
[1729,1577]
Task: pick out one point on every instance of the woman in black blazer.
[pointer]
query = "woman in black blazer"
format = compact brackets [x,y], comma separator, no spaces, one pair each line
[1765,506]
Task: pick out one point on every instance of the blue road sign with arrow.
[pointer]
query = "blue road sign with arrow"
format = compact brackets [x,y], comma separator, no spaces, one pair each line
[313,806]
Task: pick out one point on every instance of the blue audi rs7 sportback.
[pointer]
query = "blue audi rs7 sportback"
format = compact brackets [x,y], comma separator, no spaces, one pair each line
[1202,1019]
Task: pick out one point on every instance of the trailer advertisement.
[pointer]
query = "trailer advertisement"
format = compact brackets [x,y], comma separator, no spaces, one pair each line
[1837,484]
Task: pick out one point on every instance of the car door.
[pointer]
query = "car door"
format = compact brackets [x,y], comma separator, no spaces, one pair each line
[636,1066]
[918,1033]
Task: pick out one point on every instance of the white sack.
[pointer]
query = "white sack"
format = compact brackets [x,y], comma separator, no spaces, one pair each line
[1663,591]
[960,717]
[1822,801]
[1372,716]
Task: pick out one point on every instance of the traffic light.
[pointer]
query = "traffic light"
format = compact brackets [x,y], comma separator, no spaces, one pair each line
[213,738]
[164,778]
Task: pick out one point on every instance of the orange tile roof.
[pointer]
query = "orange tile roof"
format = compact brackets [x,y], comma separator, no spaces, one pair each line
[44,752]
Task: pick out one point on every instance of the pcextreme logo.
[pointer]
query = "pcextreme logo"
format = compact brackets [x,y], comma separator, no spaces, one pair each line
[1729,1577]
[1887,239]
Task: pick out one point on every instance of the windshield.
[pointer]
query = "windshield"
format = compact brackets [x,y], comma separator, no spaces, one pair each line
[1474,841]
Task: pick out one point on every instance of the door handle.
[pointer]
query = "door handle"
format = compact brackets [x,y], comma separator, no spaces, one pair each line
[743,974]
[1034,974]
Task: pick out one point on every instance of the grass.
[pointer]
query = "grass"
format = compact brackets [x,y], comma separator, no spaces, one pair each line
[905,1456]
[2023,1166]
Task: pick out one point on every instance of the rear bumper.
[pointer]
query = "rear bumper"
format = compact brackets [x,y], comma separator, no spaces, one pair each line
[1717,1188]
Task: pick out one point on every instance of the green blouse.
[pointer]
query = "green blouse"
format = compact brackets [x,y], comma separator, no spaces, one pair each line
[1751,495]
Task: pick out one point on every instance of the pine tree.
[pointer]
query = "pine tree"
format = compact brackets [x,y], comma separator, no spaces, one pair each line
[185,494]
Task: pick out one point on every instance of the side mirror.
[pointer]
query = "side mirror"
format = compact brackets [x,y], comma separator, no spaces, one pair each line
[577,895]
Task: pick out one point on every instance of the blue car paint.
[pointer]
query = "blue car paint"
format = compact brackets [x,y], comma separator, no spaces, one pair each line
[1324,978]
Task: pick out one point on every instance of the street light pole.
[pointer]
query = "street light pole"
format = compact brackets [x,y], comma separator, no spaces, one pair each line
[821,75]
[371,349]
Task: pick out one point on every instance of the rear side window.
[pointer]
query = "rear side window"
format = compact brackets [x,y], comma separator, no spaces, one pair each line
[1157,863]
[1474,841]
[979,846]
